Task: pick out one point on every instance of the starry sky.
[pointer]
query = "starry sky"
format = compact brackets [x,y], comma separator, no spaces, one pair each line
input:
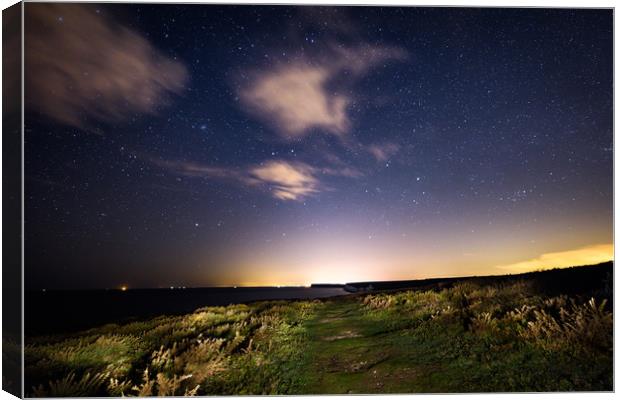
[199,145]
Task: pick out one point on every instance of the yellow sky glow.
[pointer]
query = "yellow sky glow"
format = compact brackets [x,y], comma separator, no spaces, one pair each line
[330,267]
[593,254]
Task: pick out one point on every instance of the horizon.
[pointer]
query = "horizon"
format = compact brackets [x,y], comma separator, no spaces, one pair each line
[309,285]
[216,145]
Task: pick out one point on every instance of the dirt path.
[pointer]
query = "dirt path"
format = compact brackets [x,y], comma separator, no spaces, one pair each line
[349,352]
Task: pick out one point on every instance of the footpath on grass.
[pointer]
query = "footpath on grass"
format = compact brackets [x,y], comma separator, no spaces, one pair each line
[490,339]
[349,351]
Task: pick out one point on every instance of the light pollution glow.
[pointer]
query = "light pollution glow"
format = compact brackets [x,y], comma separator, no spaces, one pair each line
[348,248]
[341,272]
[335,266]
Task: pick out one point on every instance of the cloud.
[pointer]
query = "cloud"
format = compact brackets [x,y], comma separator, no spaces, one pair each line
[81,65]
[382,152]
[360,59]
[583,256]
[347,172]
[301,95]
[192,169]
[295,99]
[287,181]
[284,180]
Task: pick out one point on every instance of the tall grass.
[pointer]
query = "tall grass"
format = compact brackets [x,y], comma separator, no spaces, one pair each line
[511,310]
[507,336]
[194,354]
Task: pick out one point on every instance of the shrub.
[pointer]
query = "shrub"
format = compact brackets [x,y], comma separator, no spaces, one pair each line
[485,323]
[378,301]
[581,328]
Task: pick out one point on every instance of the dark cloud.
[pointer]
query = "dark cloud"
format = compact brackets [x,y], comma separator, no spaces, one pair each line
[82,65]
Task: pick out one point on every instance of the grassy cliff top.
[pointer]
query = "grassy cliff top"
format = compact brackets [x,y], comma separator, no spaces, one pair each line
[519,333]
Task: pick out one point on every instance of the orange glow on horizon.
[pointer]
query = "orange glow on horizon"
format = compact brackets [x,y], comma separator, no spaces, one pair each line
[341,270]
[588,255]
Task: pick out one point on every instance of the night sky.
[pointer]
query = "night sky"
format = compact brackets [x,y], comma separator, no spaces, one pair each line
[195,145]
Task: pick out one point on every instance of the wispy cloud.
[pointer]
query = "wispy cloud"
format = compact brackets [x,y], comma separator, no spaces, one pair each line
[383,152]
[284,180]
[287,181]
[193,169]
[583,256]
[347,172]
[82,65]
[306,94]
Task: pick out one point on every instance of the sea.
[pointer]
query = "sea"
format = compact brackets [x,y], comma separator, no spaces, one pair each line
[65,311]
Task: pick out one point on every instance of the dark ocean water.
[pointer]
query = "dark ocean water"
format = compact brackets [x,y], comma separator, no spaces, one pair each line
[68,311]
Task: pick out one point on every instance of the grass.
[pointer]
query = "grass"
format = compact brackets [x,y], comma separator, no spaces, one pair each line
[469,337]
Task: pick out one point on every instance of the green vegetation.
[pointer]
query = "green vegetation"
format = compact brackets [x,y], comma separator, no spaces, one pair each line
[469,337]
[238,349]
